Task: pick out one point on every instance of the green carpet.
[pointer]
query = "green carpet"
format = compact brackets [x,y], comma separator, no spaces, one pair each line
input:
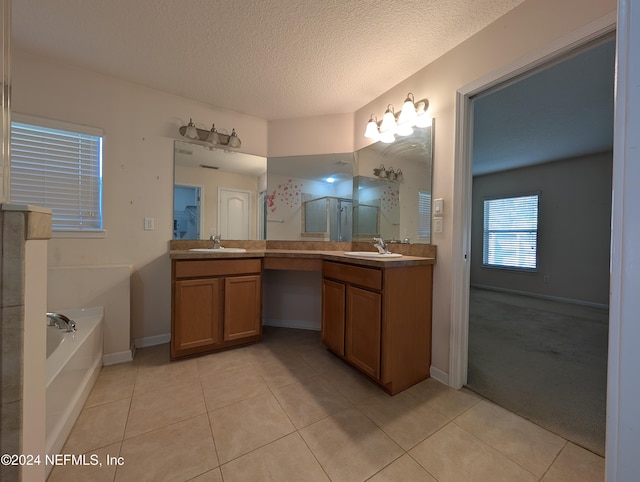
[543,360]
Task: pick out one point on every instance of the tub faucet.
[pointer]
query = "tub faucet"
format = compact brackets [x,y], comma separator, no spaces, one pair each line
[61,321]
[381,245]
[216,241]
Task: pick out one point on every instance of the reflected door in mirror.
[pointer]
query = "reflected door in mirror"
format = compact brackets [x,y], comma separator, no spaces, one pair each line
[234,214]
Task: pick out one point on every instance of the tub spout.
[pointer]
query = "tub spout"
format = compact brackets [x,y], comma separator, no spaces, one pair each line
[61,321]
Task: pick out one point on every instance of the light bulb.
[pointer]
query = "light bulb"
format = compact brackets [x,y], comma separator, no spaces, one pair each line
[213,137]
[387,137]
[423,118]
[191,132]
[404,129]
[388,122]
[408,112]
[372,132]
[234,141]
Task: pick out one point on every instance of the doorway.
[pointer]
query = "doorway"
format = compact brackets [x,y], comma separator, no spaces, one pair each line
[187,212]
[471,249]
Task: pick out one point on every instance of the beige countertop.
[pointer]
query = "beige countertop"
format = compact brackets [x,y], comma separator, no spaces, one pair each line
[185,254]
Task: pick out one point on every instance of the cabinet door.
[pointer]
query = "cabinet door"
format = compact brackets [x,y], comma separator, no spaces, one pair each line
[242,307]
[333,303]
[363,325]
[198,310]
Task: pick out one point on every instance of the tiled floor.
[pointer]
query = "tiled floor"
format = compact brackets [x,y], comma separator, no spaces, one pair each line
[287,410]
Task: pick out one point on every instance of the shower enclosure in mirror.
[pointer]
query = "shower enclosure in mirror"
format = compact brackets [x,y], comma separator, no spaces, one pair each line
[302,205]
[309,197]
[328,217]
[217,191]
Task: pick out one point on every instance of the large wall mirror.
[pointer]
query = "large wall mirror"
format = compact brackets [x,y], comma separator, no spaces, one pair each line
[217,191]
[392,191]
[381,190]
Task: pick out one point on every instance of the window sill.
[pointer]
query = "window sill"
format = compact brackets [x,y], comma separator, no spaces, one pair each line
[92,234]
[510,268]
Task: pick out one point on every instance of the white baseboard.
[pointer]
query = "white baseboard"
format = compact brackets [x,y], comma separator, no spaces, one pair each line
[439,375]
[152,340]
[299,324]
[119,357]
[541,296]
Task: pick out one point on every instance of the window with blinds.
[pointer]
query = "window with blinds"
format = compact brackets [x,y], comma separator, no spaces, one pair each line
[424,214]
[510,234]
[59,166]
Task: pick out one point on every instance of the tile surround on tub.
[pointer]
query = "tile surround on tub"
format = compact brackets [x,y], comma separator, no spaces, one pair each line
[18,225]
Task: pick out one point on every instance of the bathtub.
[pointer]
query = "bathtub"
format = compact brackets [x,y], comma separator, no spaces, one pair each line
[73,364]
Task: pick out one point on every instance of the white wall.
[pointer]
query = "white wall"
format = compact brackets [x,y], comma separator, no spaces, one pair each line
[89,286]
[140,125]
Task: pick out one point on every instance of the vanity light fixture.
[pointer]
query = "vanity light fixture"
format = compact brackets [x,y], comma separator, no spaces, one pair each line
[389,174]
[212,136]
[413,114]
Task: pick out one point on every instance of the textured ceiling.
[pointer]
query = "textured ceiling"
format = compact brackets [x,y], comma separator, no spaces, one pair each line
[274,59]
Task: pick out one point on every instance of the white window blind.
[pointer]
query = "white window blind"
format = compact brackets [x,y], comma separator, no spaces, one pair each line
[510,232]
[60,169]
[424,214]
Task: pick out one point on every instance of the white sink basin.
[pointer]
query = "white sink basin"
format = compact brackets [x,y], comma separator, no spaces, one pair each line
[219,250]
[371,254]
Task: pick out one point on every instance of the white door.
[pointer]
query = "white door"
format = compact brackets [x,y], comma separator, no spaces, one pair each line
[234,213]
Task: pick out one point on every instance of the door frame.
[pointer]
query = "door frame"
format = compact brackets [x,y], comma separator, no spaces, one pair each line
[461,220]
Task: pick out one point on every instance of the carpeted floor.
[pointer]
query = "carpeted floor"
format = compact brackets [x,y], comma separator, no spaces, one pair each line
[544,360]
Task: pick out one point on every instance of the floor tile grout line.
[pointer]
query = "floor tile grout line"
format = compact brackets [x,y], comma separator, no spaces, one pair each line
[497,450]
[213,439]
[566,443]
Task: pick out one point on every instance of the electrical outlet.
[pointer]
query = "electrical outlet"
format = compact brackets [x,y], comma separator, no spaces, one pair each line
[149,224]
[437,225]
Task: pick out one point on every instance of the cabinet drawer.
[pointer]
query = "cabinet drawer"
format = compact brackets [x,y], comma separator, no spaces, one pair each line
[366,277]
[216,267]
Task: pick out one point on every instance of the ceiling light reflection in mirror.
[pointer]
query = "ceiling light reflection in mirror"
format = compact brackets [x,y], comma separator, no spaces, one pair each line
[308,197]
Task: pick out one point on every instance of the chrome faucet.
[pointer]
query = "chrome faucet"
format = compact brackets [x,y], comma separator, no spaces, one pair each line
[61,321]
[381,245]
[216,241]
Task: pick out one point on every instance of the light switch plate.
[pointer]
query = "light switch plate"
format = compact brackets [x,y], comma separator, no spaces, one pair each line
[149,224]
[438,206]
[437,225]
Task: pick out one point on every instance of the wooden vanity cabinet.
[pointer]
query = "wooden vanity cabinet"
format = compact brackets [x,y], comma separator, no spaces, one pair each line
[217,303]
[379,320]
